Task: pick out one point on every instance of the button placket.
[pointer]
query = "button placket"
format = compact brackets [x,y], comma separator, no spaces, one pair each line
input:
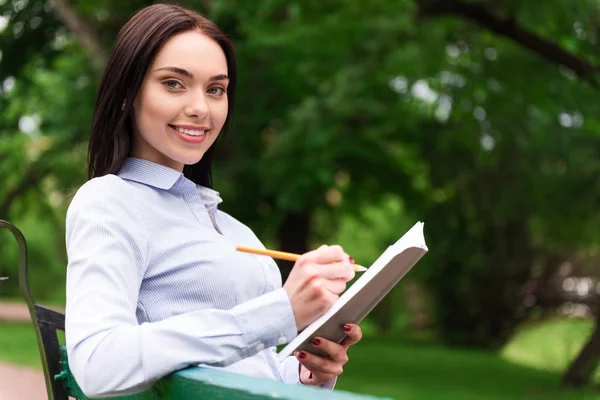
[188,189]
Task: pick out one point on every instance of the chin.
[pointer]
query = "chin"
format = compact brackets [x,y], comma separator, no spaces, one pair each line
[189,159]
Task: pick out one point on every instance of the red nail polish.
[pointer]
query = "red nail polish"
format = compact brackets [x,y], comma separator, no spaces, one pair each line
[346,328]
[302,354]
[351,260]
[316,342]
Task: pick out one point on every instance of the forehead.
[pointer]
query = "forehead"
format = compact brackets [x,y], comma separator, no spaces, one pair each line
[193,51]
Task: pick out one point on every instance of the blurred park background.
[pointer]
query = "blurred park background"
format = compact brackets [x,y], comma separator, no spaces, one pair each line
[355,119]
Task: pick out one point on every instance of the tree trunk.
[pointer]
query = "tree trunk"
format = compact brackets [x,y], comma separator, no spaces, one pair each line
[383,315]
[292,236]
[415,298]
[580,371]
[85,32]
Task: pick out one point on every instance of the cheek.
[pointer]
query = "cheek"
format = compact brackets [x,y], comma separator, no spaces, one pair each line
[154,108]
[219,114]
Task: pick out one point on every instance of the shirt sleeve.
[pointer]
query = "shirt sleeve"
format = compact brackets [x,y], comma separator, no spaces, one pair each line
[109,353]
[290,373]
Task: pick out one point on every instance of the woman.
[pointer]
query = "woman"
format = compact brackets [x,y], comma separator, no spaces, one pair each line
[154,283]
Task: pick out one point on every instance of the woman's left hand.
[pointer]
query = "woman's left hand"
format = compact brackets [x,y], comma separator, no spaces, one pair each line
[316,370]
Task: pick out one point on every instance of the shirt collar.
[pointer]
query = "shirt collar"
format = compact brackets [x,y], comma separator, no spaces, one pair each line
[162,177]
[210,197]
[149,173]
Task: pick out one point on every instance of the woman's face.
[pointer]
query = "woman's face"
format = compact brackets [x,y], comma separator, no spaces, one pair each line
[182,104]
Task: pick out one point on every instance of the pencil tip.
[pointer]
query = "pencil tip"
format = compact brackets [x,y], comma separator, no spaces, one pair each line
[360,268]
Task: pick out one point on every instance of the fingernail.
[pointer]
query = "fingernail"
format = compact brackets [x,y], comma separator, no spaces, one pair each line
[316,342]
[310,376]
[346,328]
[351,260]
[302,354]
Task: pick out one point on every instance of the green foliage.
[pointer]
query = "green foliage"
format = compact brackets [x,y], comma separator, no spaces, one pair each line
[503,165]
[344,106]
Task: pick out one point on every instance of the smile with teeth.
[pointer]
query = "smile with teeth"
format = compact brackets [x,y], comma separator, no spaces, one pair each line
[188,131]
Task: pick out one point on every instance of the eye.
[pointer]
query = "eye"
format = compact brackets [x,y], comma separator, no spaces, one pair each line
[216,90]
[172,84]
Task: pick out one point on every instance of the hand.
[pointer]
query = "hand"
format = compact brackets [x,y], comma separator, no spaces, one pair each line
[316,370]
[315,282]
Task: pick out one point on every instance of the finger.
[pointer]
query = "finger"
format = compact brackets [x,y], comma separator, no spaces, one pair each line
[335,286]
[326,255]
[336,351]
[322,368]
[338,270]
[353,335]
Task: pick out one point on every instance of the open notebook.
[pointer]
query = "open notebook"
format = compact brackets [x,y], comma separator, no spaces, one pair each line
[368,290]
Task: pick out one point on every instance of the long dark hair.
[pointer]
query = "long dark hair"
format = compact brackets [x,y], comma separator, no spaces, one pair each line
[137,44]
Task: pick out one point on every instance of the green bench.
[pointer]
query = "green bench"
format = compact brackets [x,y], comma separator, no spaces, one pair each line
[206,383]
[191,383]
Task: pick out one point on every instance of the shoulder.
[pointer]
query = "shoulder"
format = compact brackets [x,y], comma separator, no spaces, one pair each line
[106,208]
[106,193]
[102,188]
[104,184]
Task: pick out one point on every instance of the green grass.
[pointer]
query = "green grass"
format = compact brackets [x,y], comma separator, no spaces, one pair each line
[423,371]
[549,345]
[18,344]
[528,369]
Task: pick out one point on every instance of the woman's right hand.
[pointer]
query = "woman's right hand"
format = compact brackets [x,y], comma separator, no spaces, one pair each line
[316,281]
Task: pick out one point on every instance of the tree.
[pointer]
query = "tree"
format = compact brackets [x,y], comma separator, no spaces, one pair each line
[483,130]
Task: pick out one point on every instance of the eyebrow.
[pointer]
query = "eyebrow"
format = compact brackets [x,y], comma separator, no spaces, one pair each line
[188,74]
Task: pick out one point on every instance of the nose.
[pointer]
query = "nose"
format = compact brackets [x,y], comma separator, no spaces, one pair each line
[197,106]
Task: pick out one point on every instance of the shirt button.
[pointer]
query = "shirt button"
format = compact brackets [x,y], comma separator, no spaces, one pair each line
[282,340]
[260,347]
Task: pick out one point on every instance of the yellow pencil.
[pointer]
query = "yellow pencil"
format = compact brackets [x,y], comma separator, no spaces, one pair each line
[285,256]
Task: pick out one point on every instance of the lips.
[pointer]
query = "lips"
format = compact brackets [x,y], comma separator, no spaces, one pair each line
[189,137]
[188,130]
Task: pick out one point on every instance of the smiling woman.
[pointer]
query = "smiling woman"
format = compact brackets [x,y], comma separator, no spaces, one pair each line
[154,281]
[165,82]
[182,104]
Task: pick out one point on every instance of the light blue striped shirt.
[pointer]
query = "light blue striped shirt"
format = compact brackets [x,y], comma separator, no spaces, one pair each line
[154,284]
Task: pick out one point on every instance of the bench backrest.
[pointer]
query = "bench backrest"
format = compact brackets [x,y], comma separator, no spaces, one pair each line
[46,322]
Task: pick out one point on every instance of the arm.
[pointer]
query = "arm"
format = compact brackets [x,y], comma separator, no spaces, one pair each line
[109,352]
